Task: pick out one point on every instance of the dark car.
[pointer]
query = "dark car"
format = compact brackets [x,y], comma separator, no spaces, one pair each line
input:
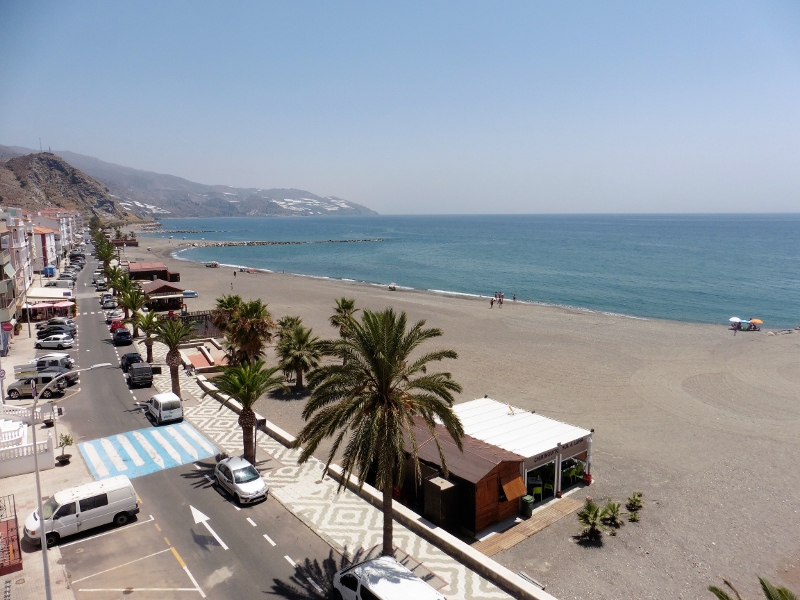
[55,330]
[55,321]
[71,378]
[122,337]
[126,360]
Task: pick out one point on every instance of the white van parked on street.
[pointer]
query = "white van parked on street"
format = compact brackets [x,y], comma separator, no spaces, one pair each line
[165,407]
[77,509]
[381,578]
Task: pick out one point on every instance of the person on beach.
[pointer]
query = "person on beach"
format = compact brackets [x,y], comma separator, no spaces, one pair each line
[231,285]
[234,272]
[491,302]
[514,298]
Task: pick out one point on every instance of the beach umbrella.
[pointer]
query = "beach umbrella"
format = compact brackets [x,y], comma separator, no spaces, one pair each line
[757,321]
[735,320]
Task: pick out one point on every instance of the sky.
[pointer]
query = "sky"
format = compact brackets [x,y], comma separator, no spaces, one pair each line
[424,107]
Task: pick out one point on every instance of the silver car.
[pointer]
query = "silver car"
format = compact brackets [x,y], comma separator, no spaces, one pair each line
[59,341]
[240,479]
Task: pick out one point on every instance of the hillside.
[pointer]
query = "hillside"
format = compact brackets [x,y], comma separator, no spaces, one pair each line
[44,180]
[155,194]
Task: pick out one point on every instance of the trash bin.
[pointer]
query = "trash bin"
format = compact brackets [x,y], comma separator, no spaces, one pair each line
[527,507]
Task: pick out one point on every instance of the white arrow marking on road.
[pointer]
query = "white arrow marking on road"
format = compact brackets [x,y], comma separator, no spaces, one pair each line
[183,443]
[128,447]
[111,452]
[151,452]
[201,518]
[165,444]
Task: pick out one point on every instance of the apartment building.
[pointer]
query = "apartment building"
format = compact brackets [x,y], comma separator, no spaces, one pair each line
[44,245]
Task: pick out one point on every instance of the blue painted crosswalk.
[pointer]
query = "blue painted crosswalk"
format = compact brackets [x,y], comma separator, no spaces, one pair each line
[137,453]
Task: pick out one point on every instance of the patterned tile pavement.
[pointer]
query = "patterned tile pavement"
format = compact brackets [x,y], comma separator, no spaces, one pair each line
[343,520]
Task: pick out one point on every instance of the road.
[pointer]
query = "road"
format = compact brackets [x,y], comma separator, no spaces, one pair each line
[189,540]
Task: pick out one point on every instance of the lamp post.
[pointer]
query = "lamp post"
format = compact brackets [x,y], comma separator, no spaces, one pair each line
[42,534]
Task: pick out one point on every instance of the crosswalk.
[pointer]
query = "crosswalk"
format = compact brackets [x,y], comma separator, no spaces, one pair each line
[137,453]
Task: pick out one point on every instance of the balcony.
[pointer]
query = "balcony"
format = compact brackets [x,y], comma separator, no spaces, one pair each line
[5,257]
[6,288]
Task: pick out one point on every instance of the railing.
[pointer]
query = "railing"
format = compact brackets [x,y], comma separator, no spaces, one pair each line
[20,459]
[13,437]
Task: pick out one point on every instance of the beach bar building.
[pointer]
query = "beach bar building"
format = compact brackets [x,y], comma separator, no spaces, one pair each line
[483,486]
[151,270]
[551,450]
[163,295]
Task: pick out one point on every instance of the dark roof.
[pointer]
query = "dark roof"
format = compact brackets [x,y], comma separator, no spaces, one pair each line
[473,464]
[159,286]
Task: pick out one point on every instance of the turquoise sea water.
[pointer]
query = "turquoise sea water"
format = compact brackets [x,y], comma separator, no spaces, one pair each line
[698,268]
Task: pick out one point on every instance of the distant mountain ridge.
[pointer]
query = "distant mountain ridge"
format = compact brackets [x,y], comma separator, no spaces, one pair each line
[149,194]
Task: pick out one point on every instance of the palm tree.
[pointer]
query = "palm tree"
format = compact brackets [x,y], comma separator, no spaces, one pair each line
[114,276]
[148,323]
[344,313]
[104,252]
[226,308]
[770,591]
[124,284]
[133,301]
[171,332]
[285,325]
[299,353]
[591,516]
[248,331]
[373,397]
[246,383]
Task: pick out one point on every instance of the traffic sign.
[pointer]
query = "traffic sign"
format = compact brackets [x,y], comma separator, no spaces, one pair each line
[2,373]
[7,326]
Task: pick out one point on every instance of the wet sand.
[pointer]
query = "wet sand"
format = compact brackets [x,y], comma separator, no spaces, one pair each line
[706,424]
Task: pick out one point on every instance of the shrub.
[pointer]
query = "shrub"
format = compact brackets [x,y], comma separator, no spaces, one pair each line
[612,510]
[634,502]
[591,517]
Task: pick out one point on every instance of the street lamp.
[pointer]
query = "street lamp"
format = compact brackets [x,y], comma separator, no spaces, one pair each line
[42,535]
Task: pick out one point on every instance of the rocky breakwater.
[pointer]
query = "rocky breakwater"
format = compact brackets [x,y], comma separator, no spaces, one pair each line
[276,243]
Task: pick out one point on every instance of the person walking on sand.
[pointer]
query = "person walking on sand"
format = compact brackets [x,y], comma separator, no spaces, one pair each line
[491,302]
[514,298]
[234,272]
[231,285]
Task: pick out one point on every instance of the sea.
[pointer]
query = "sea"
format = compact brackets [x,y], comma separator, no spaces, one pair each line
[693,268]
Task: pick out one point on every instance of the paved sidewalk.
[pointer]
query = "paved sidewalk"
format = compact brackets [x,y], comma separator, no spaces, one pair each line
[346,521]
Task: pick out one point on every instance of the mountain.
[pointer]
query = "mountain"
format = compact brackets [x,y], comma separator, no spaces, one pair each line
[44,180]
[153,194]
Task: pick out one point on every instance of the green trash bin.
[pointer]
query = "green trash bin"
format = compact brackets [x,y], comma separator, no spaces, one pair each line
[527,506]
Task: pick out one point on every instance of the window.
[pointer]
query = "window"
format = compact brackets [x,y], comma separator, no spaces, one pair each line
[66,509]
[350,582]
[367,595]
[94,502]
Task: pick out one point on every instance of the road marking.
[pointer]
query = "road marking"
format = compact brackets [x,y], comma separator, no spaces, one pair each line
[269,539]
[197,437]
[128,447]
[316,587]
[95,459]
[151,452]
[291,562]
[249,520]
[132,590]
[165,444]
[188,448]
[166,540]
[150,520]
[120,566]
[111,452]
[157,527]
[201,518]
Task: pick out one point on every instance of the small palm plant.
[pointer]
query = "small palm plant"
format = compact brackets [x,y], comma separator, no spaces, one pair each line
[770,591]
[591,517]
[612,514]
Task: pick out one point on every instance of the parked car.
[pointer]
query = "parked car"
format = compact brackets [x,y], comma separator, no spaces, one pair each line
[55,329]
[71,276]
[60,283]
[100,286]
[126,360]
[189,294]
[383,577]
[116,324]
[240,479]
[109,304]
[60,341]
[164,407]
[22,387]
[106,296]
[122,337]
[140,374]
[114,314]
[65,359]
[55,321]
[71,377]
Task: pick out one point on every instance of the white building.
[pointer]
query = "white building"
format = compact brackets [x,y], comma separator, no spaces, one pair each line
[44,243]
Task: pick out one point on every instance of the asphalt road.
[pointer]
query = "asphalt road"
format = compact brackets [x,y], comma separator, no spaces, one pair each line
[189,539]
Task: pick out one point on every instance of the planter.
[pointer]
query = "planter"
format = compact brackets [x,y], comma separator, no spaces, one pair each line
[587,479]
[63,459]
[48,422]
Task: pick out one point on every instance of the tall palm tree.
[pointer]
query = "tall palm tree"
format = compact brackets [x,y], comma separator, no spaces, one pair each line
[124,284]
[246,383]
[113,276]
[104,252]
[285,325]
[133,301]
[148,323]
[299,353]
[227,306]
[171,332]
[374,396]
[770,591]
[248,332]
[344,313]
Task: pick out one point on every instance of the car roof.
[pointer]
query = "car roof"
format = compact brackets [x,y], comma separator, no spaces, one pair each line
[132,354]
[91,489]
[235,462]
[390,579]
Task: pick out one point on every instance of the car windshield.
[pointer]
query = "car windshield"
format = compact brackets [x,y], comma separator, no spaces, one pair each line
[49,507]
[245,475]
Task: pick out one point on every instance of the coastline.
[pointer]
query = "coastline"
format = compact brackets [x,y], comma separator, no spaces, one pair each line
[703,422]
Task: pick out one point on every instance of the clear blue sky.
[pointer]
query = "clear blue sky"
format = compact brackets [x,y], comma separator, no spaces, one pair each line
[429,107]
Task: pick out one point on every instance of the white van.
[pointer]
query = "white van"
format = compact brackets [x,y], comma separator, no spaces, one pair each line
[60,283]
[165,407]
[381,578]
[77,509]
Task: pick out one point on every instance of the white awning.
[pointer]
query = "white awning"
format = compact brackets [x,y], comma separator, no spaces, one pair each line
[517,430]
[47,294]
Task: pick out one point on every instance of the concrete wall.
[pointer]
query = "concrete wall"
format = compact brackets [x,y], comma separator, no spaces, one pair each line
[19,460]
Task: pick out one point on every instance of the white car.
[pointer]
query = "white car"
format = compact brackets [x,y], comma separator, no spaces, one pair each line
[59,341]
[240,479]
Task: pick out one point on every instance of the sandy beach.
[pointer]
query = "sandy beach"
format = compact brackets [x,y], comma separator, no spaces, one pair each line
[706,424]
